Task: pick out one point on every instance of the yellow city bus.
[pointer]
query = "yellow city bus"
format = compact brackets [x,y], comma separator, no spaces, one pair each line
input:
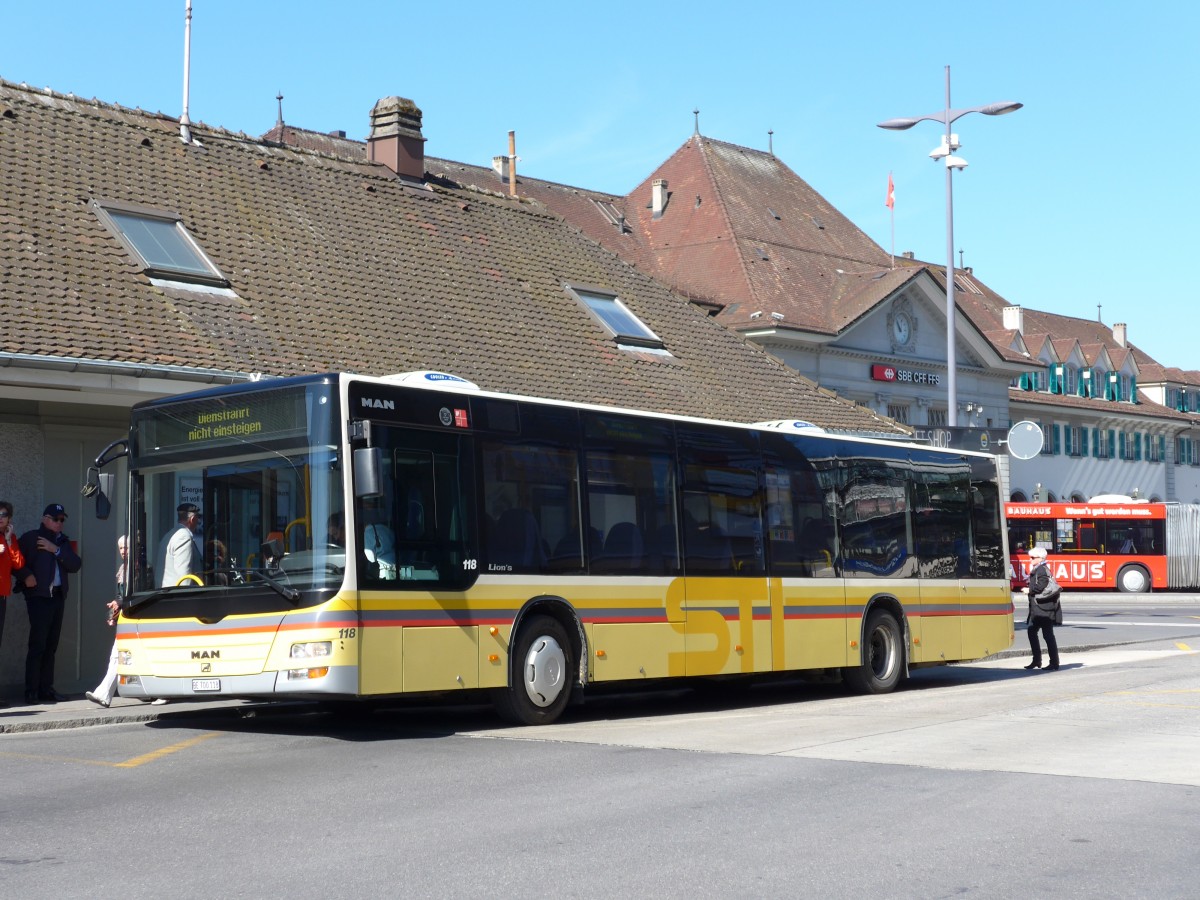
[373,537]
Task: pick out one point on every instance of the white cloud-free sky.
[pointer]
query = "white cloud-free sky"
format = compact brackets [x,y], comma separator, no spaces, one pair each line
[1086,196]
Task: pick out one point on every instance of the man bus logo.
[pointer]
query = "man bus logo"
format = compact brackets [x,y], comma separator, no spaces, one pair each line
[206,654]
[369,403]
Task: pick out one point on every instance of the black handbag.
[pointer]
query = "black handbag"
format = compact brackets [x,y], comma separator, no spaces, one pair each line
[1047,603]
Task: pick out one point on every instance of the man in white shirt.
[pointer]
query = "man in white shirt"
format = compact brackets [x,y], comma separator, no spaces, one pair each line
[180,553]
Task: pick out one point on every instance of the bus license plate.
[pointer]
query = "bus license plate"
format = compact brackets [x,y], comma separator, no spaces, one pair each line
[206,684]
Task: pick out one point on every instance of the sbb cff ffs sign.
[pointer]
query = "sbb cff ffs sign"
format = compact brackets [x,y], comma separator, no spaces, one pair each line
[880,372]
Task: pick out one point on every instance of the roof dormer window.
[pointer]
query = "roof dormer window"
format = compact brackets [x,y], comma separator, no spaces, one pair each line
[159,243]
[628,330]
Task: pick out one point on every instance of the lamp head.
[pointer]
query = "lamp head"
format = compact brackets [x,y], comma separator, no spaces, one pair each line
[1001,109]
[898,124]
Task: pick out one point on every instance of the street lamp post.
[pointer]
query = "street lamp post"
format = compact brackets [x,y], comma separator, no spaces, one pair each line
[945,152]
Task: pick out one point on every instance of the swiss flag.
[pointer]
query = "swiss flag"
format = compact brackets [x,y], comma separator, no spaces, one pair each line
[890,202]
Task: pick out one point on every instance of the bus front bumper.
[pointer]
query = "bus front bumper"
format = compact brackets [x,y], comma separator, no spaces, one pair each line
[338,681]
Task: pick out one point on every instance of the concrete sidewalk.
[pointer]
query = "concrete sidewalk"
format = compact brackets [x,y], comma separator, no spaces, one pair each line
[79,712]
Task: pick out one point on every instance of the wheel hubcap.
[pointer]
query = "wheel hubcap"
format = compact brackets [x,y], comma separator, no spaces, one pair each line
[882,653]
[1135,582]
[545,671]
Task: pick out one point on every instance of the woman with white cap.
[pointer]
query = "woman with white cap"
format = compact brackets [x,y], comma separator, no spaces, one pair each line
[1039,619]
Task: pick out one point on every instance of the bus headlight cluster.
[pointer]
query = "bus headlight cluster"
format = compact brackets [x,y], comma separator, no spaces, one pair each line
[304,674]
[312,649]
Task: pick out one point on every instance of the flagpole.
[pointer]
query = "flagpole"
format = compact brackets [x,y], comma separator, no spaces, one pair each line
[891,205]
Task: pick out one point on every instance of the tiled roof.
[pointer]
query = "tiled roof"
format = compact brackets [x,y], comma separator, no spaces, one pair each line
[740,232]
[1143,407]
[337,265]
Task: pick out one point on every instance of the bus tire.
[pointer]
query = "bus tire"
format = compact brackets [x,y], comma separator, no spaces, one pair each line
[882,655]
[1133,580]
[541,675]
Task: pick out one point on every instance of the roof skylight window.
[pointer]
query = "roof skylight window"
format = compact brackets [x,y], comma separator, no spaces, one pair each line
[615,316]
[159,242]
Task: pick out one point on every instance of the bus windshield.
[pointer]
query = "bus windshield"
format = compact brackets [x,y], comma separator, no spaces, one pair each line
[238,495]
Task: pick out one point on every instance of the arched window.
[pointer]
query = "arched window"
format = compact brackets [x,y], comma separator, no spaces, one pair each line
[1018,497]
[1077,497]
[1050,498]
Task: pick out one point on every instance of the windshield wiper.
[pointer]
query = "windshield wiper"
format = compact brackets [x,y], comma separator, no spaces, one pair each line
[287,592]
[152,599]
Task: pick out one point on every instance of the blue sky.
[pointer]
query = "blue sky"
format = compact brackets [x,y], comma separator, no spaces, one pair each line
[1084,197]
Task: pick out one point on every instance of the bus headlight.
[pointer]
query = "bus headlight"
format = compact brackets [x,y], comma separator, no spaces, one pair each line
[312,649]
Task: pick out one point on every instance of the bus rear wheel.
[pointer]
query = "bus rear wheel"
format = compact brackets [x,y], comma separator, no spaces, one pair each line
[1133,580]
[541,676]
[882,656]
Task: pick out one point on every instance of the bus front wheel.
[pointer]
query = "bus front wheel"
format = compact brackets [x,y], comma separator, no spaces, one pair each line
[1133,580]
[541,675]
[882,656]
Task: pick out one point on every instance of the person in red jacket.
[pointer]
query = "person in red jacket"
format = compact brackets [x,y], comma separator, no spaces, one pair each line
[11,559]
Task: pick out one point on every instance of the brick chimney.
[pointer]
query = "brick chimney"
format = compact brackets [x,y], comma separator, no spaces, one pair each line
[658,197]
[500,167]
[396,139]
[1014,319]
[1119,334]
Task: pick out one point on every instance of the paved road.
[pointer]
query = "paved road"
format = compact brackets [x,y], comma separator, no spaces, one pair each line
[1121,713]
[982,781]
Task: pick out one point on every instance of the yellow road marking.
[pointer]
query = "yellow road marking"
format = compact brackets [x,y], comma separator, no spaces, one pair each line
[127,764]
[159,754]
[1182,646]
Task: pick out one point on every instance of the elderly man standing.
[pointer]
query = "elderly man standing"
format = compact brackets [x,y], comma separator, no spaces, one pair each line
[180,553]
[49,559]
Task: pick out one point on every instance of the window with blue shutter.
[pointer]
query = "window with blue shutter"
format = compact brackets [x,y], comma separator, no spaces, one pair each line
[1137,445]
[1057,430]
[1112,442]
[1083,436]
[1133,389]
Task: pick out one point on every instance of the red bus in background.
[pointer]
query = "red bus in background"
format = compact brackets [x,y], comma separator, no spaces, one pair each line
[1110,543]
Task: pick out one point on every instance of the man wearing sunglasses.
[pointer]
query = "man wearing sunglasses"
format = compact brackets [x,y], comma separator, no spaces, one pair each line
[49,559]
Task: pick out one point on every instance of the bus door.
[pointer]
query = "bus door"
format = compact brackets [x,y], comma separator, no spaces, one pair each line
[809,617]
[941,525]
[415,558]
[727,601]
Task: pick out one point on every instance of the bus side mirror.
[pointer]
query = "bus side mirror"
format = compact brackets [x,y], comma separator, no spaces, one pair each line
[100,485]
[368,468]
[108,483]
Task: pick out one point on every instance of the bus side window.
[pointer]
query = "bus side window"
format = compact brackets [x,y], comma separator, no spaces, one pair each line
[722,503]
[1087,536]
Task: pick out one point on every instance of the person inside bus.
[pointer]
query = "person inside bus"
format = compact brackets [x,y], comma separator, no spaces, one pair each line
[336,530]
[1039,576]
[379,547]
[180,553]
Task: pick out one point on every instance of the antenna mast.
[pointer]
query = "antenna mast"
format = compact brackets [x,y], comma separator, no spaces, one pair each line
[185,124]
